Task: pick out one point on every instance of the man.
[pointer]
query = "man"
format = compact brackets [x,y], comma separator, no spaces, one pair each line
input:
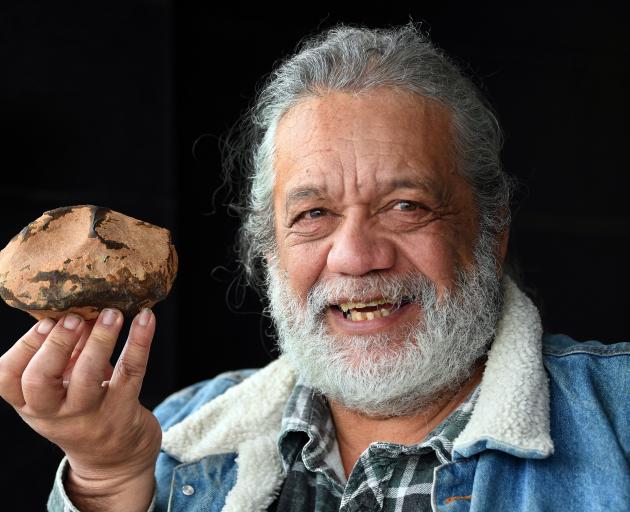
[414,373]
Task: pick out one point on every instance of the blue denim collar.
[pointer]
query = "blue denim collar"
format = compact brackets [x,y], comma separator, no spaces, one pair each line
[512,411]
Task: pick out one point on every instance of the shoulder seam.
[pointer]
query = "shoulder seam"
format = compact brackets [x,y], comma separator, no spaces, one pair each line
[595,351]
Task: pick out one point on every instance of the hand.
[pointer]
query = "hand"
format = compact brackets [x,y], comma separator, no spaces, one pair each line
[59,380]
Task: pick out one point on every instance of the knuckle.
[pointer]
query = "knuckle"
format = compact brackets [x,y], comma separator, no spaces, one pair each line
[136,340]
[32,380]
[101,338]
[61,343]
[128,368]
[28,344]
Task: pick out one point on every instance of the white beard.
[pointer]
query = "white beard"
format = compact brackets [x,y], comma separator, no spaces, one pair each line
[398,373]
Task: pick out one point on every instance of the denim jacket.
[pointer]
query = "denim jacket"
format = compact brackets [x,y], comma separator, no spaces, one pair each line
[550,432]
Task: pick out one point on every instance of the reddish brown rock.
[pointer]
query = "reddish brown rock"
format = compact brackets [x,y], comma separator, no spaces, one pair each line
[84,258]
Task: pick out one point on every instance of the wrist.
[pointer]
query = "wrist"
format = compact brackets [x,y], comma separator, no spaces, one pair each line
[105,491]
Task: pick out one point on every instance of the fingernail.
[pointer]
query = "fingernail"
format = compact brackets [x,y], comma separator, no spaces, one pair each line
[71,322]
[45,326]
[109,316]
[145,316]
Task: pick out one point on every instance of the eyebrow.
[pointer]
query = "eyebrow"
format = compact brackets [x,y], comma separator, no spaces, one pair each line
[305,192]
[414,183]
[311,191]
[301,194]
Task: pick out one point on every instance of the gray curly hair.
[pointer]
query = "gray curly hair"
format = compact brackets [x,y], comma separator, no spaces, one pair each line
[357,59]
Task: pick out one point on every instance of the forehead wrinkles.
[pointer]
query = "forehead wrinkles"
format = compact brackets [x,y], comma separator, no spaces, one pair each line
[364,164]
[342,141]
[359,169]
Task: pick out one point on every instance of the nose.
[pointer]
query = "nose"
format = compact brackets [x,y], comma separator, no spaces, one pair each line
[358,249]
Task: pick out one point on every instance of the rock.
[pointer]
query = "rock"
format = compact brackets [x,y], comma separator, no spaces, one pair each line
[84,258]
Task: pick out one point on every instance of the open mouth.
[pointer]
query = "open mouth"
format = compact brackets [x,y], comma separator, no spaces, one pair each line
[378,308]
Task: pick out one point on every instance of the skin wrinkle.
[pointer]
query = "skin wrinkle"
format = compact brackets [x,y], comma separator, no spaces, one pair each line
[440,209]
[32,348]
[306,191]
[353,177]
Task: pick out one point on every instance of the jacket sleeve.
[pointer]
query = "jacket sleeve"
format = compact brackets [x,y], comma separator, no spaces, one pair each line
[58,500]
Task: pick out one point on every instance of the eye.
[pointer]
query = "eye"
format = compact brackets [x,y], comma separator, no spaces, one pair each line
[405,206]
[313,214]
[313,224]
[310,215]
[402,214]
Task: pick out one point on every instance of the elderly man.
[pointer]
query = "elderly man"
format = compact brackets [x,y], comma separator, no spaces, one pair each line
[414,374]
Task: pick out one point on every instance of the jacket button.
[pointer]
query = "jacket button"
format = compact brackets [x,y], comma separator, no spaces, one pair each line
[188,490]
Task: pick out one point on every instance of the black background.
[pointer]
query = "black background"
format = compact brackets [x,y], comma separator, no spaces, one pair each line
[100,103]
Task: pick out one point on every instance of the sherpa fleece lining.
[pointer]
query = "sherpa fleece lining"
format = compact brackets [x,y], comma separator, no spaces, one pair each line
[512,411]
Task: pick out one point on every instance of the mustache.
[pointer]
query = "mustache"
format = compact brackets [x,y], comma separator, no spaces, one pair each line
[395,289]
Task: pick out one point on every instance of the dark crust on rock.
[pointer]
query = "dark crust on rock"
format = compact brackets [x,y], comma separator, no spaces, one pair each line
[29,231]
[57,213]
[8,296]
[96,292]
[99,214]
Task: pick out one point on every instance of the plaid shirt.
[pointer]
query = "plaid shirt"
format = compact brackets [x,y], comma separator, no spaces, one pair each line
[387,477]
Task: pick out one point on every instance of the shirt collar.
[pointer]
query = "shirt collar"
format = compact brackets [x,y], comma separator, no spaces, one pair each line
[307,427]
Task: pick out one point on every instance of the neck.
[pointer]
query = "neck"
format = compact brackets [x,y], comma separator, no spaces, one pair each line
[355,431]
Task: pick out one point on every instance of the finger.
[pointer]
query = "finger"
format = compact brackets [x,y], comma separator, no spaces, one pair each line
[131,366]
[42,379]
[76,353]
[16,359]
[85,333]
[85,390]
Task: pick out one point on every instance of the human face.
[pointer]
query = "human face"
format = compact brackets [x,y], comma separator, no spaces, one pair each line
[367,183]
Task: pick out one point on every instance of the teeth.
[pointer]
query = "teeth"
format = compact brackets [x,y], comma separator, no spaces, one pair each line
[346,306]
[358,316]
